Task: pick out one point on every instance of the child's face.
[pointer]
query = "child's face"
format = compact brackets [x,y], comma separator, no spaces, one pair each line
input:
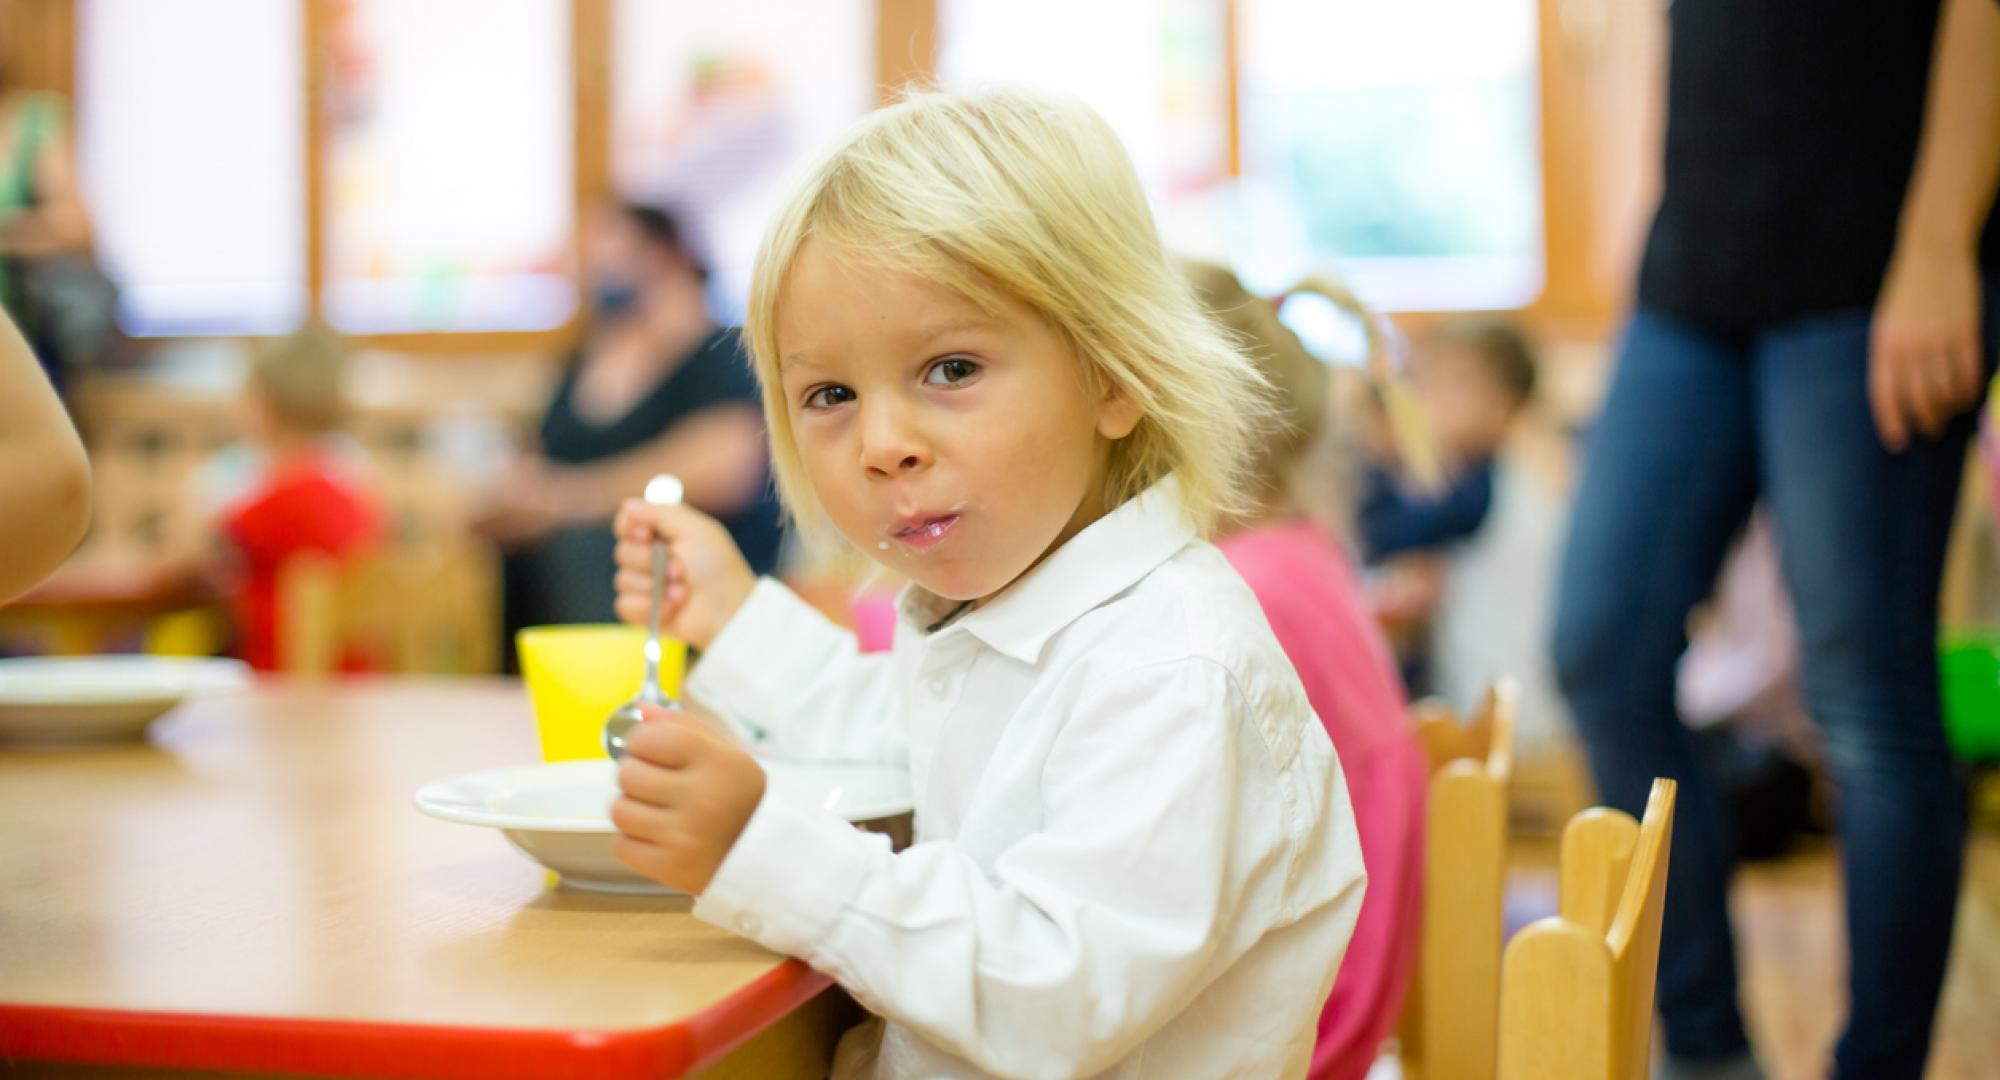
[954,446]
[1466,405]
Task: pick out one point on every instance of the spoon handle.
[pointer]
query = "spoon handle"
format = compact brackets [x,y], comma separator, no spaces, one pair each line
[650,689]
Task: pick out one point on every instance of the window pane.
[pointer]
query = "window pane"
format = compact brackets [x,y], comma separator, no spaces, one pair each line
[191,146]
[450,166]
[1399,142]
[1155,70]
[714,106]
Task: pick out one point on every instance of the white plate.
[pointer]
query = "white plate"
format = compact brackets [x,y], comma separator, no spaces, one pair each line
[50,700]
[560,814]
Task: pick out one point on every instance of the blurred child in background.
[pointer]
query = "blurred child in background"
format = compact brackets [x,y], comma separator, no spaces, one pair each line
[295,483]
[1464,576]
[1306,584]
[1473,378]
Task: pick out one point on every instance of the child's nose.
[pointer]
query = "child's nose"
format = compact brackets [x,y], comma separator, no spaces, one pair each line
[890,445]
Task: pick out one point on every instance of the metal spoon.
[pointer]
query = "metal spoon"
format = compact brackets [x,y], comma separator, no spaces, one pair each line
[661,490]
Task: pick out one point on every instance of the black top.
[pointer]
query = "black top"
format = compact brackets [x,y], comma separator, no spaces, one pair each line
[717,373]
[1792,128]
[567,577]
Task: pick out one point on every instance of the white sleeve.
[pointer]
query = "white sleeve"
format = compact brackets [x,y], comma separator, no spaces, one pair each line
[1163,854]
[796,685]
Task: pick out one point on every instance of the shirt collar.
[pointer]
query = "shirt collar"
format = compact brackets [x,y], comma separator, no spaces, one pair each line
[1105,559]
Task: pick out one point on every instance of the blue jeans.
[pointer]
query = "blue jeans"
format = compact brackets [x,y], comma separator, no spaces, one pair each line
[1696,428]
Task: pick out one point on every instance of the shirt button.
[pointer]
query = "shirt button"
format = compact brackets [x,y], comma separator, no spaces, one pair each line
[748,925]
[938,687]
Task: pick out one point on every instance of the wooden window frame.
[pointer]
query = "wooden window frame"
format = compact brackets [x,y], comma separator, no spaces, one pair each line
[1576,299]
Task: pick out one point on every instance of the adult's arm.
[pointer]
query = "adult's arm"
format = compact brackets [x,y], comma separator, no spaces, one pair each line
[44,476]
[1924,364]
[717,452]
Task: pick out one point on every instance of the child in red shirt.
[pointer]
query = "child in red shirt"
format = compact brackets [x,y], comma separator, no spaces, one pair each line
[294,485]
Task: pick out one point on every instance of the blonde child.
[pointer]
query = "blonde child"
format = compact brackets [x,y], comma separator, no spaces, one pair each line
[1134,855]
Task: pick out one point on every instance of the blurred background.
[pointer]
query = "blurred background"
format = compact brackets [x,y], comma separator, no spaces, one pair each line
[422,179]
[482,255]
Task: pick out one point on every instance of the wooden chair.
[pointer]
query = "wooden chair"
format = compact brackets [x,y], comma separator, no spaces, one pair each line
[1449,1029]
[429,610]
[1577,991]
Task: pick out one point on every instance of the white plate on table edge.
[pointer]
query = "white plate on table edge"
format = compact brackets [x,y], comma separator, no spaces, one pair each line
[47,700]
[559,814]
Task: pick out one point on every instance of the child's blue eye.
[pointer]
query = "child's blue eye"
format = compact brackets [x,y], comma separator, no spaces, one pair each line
[954,369]
[826,397]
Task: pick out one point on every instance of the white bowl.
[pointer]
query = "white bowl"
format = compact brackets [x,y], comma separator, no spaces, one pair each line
[560,814]
[53,700]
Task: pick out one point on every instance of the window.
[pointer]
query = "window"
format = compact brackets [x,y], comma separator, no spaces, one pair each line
[1398,144]
[1157,70]
[450,166]
[715,106]
[191,146]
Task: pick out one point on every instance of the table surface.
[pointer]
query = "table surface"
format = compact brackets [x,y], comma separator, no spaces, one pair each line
[257,868]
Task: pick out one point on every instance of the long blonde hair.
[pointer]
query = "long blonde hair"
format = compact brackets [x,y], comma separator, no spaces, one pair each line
[1308,458]
[1010,193]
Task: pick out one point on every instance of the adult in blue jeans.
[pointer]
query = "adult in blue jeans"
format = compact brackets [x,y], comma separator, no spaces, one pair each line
[1814,326]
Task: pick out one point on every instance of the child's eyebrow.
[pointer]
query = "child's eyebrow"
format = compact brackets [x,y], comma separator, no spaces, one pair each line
[956,325]
[923,338]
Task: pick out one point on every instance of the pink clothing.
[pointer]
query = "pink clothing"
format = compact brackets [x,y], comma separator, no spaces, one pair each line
[1314,604]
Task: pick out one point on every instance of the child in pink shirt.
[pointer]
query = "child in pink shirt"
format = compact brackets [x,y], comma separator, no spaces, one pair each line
[1314,603]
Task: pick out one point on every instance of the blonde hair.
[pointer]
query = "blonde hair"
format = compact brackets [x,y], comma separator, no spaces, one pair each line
[1302,381]
[302,378]
[1308,460]
[1009,193]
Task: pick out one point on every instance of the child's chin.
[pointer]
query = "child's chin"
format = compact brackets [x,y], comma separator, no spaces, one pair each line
[949,588]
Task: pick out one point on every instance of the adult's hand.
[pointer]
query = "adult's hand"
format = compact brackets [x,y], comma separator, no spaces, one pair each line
[1924,365]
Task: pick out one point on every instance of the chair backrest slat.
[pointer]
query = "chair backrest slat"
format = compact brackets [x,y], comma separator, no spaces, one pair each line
[1454,1032]
[1577,988]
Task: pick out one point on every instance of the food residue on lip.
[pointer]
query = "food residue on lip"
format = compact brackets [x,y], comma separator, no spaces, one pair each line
[928,534]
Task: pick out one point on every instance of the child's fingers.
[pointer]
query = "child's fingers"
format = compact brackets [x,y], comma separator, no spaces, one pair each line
[647,858]
[641,820]
[632,610]
[643,522]
[632,583]
[632,522]
[634,555]
[669,740]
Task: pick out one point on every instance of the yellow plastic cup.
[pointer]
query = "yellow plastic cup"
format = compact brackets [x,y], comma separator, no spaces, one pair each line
[577,674]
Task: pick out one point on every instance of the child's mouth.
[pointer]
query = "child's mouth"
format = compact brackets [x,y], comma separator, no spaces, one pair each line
[926,533]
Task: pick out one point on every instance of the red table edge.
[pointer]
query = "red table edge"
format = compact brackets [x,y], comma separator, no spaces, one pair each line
[358,1048]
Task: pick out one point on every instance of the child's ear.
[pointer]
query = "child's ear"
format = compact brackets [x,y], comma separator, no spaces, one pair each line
[1117,413]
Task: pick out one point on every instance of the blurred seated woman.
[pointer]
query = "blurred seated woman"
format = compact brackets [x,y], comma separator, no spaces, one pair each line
[656,386]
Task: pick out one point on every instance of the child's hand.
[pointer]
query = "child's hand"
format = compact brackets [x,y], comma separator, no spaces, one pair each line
[688,792]
[707,579]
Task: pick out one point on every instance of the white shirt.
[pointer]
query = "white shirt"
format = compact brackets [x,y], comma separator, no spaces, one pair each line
[1134,855]
[1494,613]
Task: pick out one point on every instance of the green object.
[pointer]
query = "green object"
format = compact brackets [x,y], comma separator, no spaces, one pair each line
[1969,666]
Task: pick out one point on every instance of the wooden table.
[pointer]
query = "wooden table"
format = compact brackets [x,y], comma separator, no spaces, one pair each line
[252,890]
